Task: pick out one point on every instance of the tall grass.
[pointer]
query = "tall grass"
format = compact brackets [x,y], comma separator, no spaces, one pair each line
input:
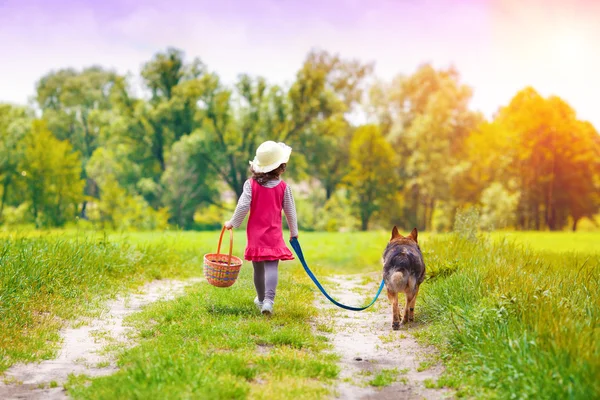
[513,322]
[45,281]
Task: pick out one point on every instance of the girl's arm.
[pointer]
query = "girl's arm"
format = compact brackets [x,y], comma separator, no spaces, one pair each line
[243,207]
[289,208]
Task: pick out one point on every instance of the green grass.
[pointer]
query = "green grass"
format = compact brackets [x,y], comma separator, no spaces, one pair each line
[558,242]
[515,315]
[385,377]
[425,365]
[48,280]
[213,343]
[429,384]
[512,322]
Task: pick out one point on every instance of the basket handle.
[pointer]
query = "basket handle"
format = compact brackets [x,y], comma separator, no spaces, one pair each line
[230,243]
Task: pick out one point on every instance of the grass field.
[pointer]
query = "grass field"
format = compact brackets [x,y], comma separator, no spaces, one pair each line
[46,280]
[213,343]
[515,315]
[554,242]
[513,322]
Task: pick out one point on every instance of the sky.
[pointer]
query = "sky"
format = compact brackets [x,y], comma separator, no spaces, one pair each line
[498,46]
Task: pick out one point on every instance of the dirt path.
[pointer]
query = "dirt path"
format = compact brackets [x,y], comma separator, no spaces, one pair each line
[368,345]
[83,348]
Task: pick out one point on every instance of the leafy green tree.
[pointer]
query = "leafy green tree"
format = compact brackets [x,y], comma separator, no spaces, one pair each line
[307,116]
[188,182]
[325,151]
[427,118]
[166,70]
[372,178]
[52,172]
[73,104]
[15,122]
[172,110]
[77,106]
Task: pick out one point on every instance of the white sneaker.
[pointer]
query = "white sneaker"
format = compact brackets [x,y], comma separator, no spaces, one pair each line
[259,304]
[267,308]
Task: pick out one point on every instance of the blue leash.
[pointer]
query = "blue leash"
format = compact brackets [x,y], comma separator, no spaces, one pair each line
[296,246]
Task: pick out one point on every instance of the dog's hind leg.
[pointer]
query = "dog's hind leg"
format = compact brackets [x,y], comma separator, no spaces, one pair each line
[411,295]
[393,297]
[411,306]
[409,299]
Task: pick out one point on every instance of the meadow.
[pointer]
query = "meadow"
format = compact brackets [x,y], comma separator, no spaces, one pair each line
[514,315]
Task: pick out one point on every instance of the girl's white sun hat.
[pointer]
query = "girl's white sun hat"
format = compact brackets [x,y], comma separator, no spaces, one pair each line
[269,156]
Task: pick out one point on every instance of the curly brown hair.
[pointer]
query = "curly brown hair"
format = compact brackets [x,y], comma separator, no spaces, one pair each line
[264,177]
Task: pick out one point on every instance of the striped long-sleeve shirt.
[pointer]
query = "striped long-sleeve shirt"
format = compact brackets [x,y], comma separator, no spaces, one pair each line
[289,207]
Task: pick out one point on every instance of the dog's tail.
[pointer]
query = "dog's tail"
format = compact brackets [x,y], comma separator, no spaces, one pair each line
[399,281]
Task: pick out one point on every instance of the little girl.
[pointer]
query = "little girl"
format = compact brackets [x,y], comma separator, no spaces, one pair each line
[265,195]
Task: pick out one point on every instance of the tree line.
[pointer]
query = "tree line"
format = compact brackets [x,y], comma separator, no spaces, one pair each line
[90,151]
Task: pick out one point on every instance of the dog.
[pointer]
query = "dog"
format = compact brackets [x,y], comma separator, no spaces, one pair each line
[403,271]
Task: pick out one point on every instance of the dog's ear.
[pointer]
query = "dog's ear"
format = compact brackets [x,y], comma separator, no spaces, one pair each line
[395,233]
[414,234]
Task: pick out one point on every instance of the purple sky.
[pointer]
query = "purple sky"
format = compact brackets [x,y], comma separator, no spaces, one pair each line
[499,46]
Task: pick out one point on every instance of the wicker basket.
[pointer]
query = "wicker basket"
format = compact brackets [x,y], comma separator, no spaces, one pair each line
[222,270]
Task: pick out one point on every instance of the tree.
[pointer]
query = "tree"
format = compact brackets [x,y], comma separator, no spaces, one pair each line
[166,70]
[237,121]
[77,106]
[326,90]
[583,175]
[172,110]
[73,103]
[229,142]
[15,122]
[325,150]
[52,173]
[372,178]
[556,160]
[428,119]
[488,155]
[188,183]
[535,152]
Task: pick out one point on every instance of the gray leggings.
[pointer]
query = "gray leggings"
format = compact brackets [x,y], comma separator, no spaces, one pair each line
[265,279]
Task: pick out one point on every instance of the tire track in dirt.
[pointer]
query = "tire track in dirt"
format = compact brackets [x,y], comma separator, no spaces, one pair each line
[83,347]
[367,345]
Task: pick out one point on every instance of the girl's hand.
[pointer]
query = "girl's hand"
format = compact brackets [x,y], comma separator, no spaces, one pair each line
[228,225]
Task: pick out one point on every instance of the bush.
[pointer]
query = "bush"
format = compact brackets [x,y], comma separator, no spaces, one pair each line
[212,217]
[16,215]
[442,217]
[336,215]
[466,223]
[118,210]
[333,215]
[498,207]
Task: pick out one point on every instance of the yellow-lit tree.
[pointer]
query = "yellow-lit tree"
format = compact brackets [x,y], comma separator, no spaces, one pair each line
[52,173]
[372,178]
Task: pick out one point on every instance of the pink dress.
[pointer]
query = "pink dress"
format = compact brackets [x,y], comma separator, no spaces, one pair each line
[264,232]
